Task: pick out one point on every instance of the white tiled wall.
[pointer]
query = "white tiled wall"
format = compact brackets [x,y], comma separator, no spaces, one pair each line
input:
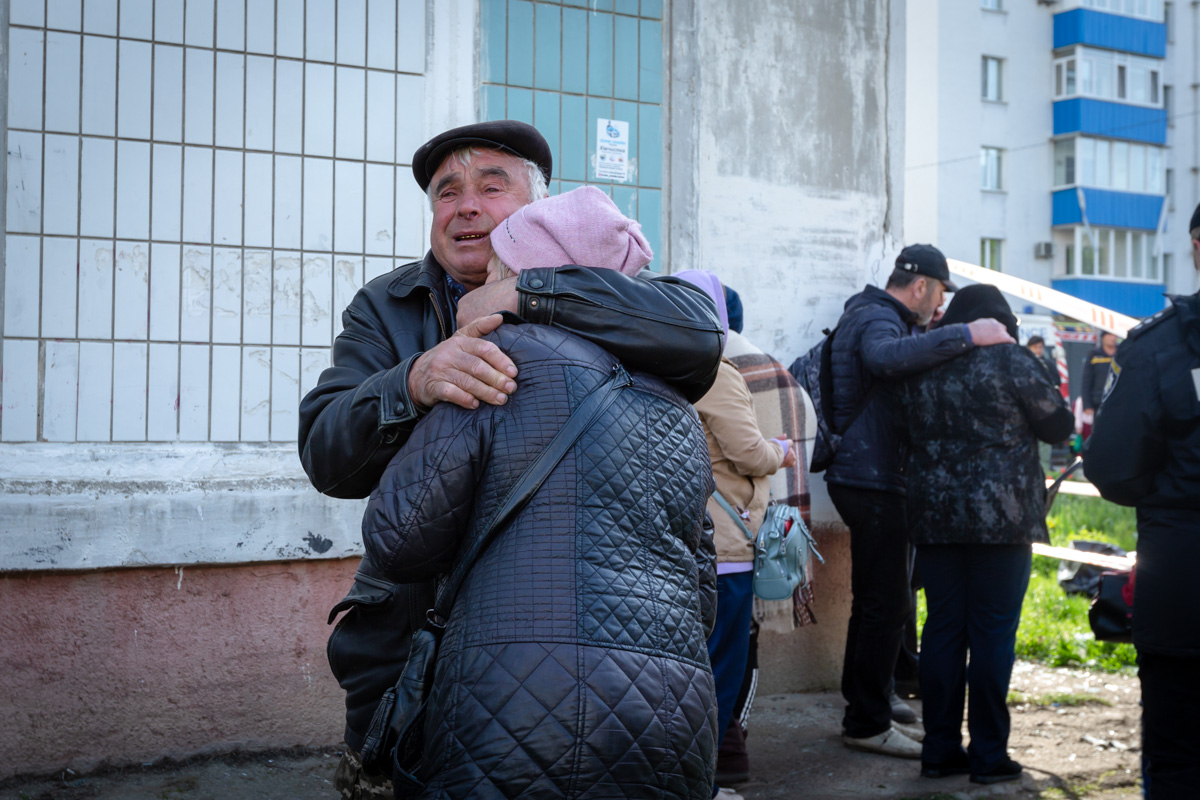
[195,191]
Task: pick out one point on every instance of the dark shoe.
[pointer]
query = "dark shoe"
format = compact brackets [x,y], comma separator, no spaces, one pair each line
[1006,770]
[959,765]
[733,763]
[732,778]
[902,712]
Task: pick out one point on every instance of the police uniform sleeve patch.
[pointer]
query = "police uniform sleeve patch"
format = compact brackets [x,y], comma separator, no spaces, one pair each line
[1114,373]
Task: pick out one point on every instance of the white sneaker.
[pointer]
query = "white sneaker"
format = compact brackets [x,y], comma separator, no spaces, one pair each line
[889,743]
[728,794]
[916,732]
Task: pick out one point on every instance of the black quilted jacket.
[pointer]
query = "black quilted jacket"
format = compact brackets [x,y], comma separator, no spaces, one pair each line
[574,662]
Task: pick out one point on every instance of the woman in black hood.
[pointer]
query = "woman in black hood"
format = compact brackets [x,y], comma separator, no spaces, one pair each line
[976,502]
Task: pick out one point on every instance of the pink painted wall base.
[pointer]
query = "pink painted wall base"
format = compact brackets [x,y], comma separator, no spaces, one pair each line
[129,666]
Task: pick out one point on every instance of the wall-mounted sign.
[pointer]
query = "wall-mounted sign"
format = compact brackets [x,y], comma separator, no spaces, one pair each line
[612,150]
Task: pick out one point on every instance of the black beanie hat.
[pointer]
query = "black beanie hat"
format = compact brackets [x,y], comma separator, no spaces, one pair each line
[1195,223]
[980,301]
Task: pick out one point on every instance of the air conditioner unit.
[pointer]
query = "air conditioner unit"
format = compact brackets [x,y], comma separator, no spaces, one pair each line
[1043,250]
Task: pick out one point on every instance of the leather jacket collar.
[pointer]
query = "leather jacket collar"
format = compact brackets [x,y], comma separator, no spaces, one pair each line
[427,275]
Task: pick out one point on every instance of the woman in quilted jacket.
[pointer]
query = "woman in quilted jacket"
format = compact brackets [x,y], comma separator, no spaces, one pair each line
[573,663]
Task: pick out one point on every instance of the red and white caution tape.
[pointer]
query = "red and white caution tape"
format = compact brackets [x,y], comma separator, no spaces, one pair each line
[1096,316]
[1119,563]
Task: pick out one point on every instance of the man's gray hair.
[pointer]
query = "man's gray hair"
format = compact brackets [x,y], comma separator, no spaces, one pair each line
[533,173]
[902,278]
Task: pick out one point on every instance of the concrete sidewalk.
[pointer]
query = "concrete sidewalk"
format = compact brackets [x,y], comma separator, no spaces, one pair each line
[1070,751]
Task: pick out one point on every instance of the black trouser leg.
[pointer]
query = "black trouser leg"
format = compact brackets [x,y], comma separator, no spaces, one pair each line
[1170,734]
[880,604]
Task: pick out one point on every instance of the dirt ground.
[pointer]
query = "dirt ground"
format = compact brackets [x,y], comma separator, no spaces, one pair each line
[1069,751]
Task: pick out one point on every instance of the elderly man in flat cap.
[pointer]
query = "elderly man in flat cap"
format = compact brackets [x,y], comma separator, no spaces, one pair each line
[410,340]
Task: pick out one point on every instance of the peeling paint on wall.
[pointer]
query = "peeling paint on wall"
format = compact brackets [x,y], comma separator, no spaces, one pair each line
[793,159]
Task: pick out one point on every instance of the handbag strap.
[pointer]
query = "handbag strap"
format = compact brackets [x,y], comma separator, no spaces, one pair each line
[581,419]
[723,503]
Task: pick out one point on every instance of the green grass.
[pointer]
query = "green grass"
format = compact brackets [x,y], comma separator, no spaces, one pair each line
[1070,699]
[1054,626]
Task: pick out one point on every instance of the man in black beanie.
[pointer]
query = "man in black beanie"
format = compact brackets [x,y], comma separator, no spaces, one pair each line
[1145,452]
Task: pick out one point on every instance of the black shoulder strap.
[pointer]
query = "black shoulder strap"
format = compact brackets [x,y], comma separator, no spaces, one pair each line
[582,418]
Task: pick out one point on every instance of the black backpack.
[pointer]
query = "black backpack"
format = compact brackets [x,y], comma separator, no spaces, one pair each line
[814,372]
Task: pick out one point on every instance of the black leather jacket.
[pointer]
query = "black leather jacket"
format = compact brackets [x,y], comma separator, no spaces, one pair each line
[359,413]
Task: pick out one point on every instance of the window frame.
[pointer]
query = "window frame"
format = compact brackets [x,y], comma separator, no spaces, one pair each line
[991,253]
[1136,246]
[1080,71]
[989,92]
[1092,163]
[991,165]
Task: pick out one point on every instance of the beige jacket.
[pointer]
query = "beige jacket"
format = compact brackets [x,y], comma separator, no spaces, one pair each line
[741,460]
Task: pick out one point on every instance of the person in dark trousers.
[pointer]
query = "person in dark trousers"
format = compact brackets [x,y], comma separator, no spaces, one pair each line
[877,343]
[1095,374]
[1145,452]
[413,338]
[976,503]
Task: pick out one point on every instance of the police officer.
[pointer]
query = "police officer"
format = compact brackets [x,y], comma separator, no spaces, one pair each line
[1145,451]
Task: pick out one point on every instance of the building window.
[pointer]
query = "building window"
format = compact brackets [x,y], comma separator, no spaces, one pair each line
[1064,162]
[1105,164]
[1169,189]
[989,253]
[993,5]
[1142,9]
[1106,75]
[1169,21]
[1116,253]
[991,74]
[990,165]
[1167,93]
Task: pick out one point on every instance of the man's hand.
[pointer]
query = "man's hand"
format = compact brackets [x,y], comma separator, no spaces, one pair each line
[989,331]
[464,369]
[491,298]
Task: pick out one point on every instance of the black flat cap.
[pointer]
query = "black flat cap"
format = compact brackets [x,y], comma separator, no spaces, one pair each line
[1195,223]
[925,259]
[508,135]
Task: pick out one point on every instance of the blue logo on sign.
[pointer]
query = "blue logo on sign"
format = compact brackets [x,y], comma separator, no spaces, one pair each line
[612,131]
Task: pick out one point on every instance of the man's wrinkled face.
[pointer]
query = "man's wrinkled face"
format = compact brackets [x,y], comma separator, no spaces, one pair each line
[935,295]
[468,202]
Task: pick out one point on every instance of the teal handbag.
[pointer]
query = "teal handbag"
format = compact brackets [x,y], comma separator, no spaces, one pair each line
[783,550]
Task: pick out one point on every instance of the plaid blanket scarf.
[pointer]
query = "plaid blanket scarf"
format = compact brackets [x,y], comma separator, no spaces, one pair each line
[780,405]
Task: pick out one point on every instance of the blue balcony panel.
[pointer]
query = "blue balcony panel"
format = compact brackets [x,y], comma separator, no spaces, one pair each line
[1108,209]
[1124,297]
[1111,32]
[1112,120]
